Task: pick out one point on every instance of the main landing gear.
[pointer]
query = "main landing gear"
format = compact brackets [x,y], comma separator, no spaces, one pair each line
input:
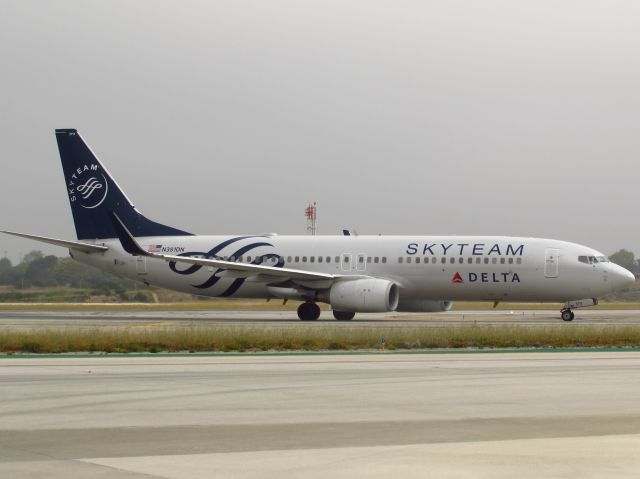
[567,315]
[343,315]
[308,311]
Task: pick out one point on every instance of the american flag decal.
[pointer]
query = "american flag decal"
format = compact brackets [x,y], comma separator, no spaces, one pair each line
[155,248]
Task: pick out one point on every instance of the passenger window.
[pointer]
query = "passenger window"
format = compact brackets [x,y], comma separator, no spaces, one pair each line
[319,259]
[443,260]
[461,260]
[470,260]
[304,259]
[433,260]
[494,260]
[501,260]
[288,259]
[384,259]
[248,259]
[376,259]
[400,260]
[452,260]
[417,260]
[478,260]
[360,259]
[297,259]
[510,260]
[519,260]
[337,259]
[328,259]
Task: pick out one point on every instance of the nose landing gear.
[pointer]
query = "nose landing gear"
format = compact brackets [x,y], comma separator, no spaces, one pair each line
[567,315]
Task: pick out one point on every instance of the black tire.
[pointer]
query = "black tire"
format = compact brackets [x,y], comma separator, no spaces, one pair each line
[343,315]
[308,311]
[567,315]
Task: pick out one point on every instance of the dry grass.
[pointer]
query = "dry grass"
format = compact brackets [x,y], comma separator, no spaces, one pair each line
[251,338]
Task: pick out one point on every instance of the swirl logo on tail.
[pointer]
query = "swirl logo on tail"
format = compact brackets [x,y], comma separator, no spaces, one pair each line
[89,187]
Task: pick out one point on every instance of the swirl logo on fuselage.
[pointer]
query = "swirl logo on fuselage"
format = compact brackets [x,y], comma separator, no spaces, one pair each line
[218,252]
[88,186]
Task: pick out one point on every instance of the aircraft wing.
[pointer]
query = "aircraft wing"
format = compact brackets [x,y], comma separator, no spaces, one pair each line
[77,245]
[131,246]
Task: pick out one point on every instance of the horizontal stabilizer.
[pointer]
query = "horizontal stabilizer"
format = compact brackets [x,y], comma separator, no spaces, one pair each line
[84,247]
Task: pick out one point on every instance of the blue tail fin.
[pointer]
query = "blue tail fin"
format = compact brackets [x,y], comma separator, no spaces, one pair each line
[93,194]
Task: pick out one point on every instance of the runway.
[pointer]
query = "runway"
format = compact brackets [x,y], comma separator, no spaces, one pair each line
[288,319]
[472,415]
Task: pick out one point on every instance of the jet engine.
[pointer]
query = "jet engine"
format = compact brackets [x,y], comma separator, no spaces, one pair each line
[423,306]
[370,295]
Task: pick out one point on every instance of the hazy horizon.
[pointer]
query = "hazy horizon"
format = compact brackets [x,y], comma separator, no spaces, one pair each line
[403,117]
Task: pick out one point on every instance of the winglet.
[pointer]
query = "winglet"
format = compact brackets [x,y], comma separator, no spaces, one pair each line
[127,241]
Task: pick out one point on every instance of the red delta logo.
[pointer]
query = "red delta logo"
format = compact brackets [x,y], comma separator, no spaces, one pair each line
[457,278]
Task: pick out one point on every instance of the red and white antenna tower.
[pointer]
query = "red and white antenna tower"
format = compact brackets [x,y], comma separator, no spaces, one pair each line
[310,213]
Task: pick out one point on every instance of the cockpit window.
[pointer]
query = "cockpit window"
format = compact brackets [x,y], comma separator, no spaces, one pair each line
[593,259]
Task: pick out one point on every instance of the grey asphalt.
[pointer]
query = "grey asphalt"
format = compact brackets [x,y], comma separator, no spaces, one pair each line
[551,414]
[55,319]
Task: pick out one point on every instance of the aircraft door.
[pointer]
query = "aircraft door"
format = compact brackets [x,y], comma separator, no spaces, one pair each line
[141,265]
[551,259]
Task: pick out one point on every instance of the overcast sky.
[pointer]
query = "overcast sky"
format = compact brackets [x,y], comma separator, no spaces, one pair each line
[398,117]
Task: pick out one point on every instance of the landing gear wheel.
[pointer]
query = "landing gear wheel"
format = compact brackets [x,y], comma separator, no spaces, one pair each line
[308,311]
[343,315]
[567,315]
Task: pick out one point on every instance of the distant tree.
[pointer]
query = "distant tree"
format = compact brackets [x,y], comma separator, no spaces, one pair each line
[5,265]
[45,271]
[6,271]
[31,256]
[41,272]
[624,258]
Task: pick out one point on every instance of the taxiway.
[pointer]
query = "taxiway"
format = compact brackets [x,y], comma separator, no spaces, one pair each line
[542,414]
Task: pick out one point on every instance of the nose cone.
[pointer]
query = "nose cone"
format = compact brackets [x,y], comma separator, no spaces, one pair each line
[620,277]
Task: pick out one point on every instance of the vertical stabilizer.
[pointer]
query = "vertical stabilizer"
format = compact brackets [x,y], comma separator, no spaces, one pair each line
[93,193]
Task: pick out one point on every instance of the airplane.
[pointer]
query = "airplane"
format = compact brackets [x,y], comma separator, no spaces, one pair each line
[352,273]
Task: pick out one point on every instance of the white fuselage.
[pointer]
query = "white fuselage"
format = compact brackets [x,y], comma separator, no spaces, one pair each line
[490,268]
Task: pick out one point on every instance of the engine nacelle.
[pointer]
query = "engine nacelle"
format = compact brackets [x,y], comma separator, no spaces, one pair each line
[369,295]
[423,306]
